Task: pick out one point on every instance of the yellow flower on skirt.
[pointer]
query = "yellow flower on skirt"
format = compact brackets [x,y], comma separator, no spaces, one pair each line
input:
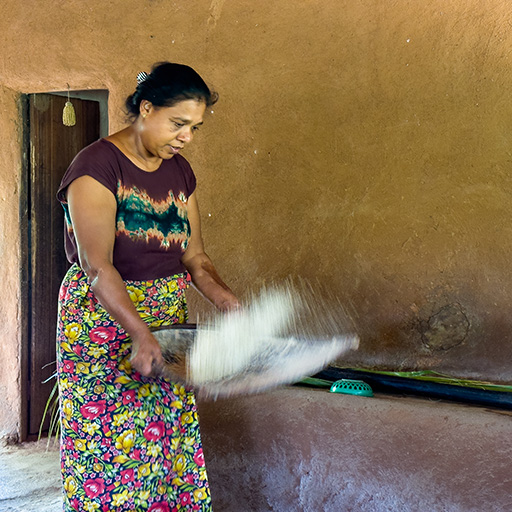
[179,464]
[125,365]
[187,417]
[72,331]
[80,390]
[67,408]
[143,391]
[153,450]
[179,391]
[120,419]
[175,443]
[80,444]
[188,444]
[65,384]
[70,486]
[83,367]
[91,506]
[144,495]
[97,352]
[121,498]
[90,428]
[144,470]
[200,494]
[121,459]
[98,389]
[126,441]
[135,294]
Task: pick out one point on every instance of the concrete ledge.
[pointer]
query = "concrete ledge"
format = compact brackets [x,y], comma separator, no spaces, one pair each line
[301,449]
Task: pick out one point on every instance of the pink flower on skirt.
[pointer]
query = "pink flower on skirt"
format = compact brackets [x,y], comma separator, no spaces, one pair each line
[154,431]
[127,475]
[159,507]
[188,478]
[128,396]
[91,410]
[78,349]
[94,487]
[68,366]
[185,498]
[199,457]
[102,334]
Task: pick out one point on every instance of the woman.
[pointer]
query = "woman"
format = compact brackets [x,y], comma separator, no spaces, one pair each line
[130,440]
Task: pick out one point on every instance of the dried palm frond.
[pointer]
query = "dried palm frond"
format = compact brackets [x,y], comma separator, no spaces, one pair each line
[51,408]
[441,378]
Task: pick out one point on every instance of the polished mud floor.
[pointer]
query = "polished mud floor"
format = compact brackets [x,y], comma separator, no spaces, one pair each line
[30,477]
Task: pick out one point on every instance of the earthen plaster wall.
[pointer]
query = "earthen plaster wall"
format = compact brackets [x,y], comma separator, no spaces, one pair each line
[10,169]
[363,145]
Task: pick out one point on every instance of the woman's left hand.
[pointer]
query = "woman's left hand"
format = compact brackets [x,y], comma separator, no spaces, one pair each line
[229,303]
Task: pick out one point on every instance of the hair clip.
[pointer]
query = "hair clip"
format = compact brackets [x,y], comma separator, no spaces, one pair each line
[141,77]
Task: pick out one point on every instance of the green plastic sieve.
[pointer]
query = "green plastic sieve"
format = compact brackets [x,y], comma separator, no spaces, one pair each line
[351,387]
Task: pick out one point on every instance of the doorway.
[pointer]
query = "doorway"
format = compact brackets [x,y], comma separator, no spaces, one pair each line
[50,147]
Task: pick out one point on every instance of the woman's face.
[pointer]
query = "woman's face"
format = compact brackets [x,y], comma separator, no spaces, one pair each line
[165,131]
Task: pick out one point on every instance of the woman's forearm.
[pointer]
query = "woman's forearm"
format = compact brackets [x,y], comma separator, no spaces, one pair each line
[208,282]
[93,212]
[110,290]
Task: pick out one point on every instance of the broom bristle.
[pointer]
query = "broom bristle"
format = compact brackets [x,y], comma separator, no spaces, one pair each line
[68,114]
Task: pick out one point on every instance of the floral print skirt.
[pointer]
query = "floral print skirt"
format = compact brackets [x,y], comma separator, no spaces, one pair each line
[128,442]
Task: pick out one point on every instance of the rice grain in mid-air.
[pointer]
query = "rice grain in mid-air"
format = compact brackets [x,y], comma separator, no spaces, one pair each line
[264,344]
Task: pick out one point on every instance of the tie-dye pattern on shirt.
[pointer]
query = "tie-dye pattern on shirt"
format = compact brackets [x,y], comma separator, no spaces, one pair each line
[141,217]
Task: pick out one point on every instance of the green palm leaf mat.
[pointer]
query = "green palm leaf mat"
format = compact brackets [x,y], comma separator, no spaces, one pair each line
[424,375]
[440,378]
[425,383]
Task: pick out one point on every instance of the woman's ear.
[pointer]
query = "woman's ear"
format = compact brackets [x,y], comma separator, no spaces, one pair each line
[145,108]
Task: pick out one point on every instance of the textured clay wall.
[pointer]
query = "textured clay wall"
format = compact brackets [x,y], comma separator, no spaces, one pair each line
[10,170]
[364,145]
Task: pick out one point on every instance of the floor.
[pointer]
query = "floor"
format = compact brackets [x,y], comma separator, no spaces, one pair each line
[299,449]
[30,477]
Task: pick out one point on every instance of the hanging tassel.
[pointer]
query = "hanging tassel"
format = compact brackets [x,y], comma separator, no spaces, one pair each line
[68,114]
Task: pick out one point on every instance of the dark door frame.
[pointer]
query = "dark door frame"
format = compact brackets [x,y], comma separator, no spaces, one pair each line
[25,307]
[25,294]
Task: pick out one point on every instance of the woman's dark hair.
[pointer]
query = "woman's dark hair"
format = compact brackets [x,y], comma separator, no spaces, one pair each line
[168,84]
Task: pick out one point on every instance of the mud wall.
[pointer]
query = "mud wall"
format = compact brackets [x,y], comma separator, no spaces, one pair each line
[11,324]
[363,145]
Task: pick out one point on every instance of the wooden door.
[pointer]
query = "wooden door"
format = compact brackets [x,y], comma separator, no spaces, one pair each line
[52,147]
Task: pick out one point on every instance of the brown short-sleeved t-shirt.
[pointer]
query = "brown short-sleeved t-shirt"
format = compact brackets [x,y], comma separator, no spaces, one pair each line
[152,227]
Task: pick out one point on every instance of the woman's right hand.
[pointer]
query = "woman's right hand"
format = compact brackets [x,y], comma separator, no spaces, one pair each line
[146,355]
